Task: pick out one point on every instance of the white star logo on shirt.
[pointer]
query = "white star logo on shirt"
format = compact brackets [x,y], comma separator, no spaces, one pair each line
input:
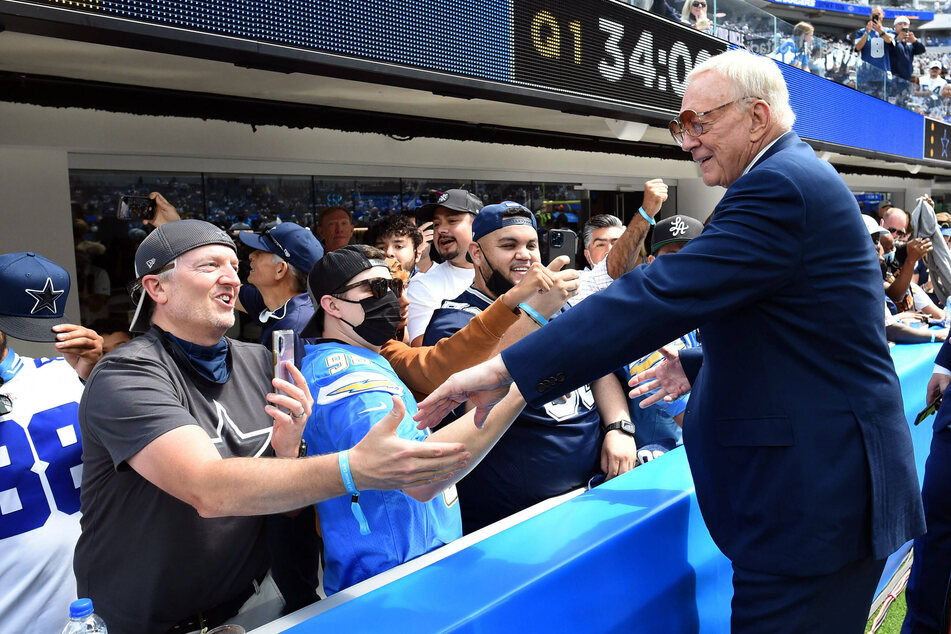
[224,418]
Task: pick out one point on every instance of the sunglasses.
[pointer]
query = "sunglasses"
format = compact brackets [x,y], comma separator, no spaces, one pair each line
[898,232]
[267,233]
[6,405]
[379,286]
[699,4]
[689,122]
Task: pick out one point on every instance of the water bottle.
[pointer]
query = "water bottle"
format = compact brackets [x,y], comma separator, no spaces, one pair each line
[947,313]
[82,620]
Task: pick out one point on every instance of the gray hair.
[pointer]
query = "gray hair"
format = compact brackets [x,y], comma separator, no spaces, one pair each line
[300,277]
[600,221]
[753,76]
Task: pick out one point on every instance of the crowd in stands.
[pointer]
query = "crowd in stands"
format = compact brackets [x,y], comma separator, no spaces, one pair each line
[375,325]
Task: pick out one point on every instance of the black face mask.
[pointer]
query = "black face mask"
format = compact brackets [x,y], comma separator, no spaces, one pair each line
[496,283]
[381,318]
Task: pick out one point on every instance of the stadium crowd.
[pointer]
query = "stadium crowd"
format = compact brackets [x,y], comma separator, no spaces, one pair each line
[220,486]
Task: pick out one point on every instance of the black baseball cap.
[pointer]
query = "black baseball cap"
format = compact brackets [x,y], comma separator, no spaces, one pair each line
[161,247]
[296,244]
[34,291]
[455,199]
[330,273]
[675,229]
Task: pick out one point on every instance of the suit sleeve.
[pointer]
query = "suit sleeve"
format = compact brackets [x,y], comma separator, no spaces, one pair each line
[750,249]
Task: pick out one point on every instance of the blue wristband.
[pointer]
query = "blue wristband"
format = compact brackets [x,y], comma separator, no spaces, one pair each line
[647,216]
[533,314]
[343,459]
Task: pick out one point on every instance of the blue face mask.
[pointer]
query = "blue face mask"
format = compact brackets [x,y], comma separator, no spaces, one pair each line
[10,365]
[890,257]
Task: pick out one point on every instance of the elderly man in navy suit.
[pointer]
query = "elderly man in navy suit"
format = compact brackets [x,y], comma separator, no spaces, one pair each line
[795,431]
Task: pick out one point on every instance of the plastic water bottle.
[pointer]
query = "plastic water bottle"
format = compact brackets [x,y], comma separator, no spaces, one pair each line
[82,620]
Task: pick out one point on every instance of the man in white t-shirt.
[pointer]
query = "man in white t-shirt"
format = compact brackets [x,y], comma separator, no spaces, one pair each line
[931,85]
[452,218]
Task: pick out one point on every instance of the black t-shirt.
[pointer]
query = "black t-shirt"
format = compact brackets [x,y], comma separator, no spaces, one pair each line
[145,558]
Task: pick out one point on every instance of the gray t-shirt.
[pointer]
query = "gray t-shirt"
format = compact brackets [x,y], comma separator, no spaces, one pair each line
[145,558]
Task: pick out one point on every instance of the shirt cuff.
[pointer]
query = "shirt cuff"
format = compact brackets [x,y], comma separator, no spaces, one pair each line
[941,370]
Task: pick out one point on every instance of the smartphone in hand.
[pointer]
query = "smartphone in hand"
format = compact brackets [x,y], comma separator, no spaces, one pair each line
[928,411]
[135,207]
[282,349]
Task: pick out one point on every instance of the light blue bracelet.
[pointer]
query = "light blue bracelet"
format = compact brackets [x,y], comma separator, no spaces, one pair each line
[343,459]
[647,216]
[533,314]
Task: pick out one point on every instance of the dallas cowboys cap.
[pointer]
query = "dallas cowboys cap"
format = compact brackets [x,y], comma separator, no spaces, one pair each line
[493,217]
[455,199]
[296,244]
[675,229]
[164,245]
[34,292]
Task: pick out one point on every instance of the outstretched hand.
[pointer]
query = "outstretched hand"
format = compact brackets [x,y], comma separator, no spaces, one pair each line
[384,461]
[667,377]
[484,384]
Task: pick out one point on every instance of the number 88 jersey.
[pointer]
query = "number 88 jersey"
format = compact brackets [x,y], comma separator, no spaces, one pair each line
[40,474]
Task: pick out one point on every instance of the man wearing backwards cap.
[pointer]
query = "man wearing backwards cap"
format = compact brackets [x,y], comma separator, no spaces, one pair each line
[179,462]
[452,218]
[552,448]
[357,311]
[40,448]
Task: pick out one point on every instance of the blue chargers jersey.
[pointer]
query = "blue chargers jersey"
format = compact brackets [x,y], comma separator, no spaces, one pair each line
[655,424]
[352,389]
[547,451]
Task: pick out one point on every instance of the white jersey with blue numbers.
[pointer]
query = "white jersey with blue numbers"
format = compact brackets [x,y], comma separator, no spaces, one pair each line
[40,473]
[352,389]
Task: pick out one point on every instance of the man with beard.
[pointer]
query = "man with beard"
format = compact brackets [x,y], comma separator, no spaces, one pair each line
[552,448]
[452,218]
[356,311]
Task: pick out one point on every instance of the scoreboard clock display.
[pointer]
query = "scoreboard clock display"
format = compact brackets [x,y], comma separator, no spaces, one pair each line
[606,50]
[937,140]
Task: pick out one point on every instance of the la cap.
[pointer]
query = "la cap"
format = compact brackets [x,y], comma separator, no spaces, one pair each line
[677,228]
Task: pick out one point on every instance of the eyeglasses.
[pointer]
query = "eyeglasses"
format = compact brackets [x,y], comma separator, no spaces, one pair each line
[897,232]
[700,4]
[379,286]
[270,236]
[6,405]
[689,122]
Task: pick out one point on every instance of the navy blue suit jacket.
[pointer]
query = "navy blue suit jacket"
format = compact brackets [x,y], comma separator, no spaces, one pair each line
[795,430]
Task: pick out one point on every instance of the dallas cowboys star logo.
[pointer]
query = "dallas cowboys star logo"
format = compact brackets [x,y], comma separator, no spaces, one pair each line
[45,297]
[944,143]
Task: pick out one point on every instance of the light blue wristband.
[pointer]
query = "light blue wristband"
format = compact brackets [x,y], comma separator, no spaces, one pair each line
[343,459]
[647,216]
[533,314]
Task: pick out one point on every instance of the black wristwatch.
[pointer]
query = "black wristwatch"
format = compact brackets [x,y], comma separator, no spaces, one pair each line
[302,449]
[624,425]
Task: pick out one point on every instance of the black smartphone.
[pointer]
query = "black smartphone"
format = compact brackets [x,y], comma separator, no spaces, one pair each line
[928,411]
[282,349]
[139,207]
[562,242]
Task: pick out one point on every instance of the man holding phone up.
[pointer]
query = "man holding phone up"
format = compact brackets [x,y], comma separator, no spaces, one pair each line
[182,459]
[874,44]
